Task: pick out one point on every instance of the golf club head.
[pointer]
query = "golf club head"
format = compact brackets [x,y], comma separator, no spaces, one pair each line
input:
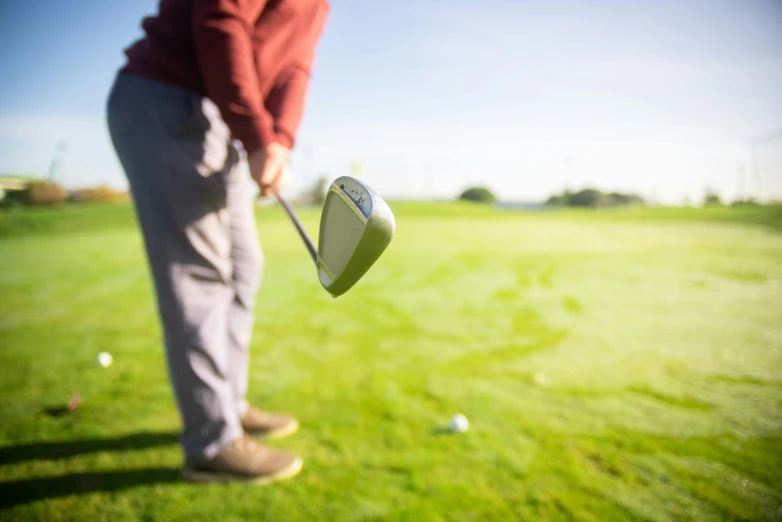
[356,226]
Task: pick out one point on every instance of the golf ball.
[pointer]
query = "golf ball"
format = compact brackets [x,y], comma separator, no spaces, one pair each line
[541,379]
[459,423]
[104,359]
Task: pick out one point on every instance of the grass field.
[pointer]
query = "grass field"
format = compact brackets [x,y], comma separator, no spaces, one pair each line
[614,366]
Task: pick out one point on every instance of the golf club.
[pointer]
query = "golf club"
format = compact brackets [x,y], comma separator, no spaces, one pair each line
[299,227]
[356,227]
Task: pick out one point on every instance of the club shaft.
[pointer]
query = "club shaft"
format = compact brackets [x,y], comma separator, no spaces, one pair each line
[299,227]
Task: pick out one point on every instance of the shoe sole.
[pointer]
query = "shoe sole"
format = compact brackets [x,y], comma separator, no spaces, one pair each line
[194,475]
[284,431]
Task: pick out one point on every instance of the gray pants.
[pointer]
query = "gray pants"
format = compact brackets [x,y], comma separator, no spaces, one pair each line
[195,209]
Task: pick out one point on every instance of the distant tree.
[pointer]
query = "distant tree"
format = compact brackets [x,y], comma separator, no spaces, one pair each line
[711,198]
[588,197]
[555,200]
[478,194]
[617,199]
[749,202]
[101,193]
[43,193]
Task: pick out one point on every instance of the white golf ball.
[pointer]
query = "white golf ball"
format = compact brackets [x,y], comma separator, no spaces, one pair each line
[459,423]
[104,359]
[541,379]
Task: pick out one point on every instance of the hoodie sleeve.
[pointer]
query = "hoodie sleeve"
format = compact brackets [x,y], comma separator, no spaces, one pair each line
[221,31]
[285,102]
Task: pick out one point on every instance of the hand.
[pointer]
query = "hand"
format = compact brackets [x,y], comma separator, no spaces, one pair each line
[268,166]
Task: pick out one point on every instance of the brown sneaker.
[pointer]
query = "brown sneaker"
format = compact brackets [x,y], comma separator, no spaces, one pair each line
[268,425]
[245,461]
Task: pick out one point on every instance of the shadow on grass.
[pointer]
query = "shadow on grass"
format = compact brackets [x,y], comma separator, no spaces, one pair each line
[55,411]
[18,492]
[67,449]
[23,491]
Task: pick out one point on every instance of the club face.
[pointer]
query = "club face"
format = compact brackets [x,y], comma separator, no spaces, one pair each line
[356,226]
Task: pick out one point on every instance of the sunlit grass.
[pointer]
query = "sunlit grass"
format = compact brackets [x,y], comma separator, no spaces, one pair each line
[613,365]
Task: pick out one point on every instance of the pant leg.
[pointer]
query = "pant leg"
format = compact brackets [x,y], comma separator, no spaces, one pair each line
[247,273]
[176,155]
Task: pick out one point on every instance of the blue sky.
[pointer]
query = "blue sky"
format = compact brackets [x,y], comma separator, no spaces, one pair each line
[659,97]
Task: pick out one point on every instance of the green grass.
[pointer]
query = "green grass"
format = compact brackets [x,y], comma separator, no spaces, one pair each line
[614,366]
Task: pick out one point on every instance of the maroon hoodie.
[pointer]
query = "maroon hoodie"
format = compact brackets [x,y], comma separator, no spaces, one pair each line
[251,57]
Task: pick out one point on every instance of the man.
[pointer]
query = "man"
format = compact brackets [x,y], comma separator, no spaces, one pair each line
[210,80]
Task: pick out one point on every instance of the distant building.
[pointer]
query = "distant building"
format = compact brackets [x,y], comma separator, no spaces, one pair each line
[11,184]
